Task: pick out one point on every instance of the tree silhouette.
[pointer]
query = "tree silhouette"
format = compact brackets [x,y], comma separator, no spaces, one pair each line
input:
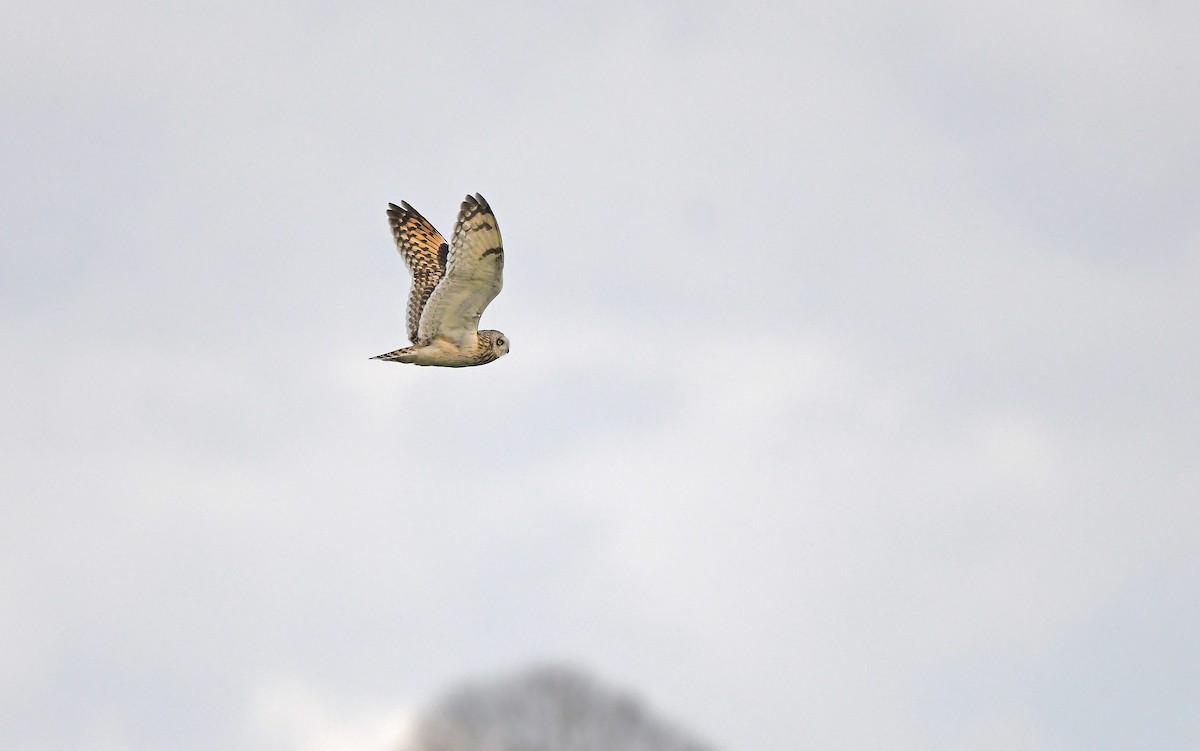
[550,708]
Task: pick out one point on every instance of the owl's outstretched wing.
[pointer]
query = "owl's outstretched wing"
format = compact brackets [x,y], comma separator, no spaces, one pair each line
[424,251]
[473,277]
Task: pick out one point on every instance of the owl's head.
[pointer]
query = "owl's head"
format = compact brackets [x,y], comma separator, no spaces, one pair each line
[497,341]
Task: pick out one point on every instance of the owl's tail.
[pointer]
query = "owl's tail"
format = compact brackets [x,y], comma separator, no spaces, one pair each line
[408,354]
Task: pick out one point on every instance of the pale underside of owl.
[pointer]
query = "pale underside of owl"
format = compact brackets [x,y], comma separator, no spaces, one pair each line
[451,285]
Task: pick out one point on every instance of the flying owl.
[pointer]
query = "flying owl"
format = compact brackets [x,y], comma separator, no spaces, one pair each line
[451,285]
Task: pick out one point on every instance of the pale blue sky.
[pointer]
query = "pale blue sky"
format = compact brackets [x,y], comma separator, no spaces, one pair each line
[852,400]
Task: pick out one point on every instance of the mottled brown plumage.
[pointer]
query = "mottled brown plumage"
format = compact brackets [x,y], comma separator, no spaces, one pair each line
[452,284]
[424,251]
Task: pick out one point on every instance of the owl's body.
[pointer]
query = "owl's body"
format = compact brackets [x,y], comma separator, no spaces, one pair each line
[452,284]
[446,354]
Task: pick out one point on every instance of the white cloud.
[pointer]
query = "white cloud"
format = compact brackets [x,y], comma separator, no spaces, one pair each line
[299,718]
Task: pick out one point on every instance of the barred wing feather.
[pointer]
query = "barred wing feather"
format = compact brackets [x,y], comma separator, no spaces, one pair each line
[473,277]
[424,251]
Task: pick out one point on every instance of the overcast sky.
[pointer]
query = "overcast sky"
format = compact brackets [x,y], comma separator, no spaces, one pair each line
[852,401]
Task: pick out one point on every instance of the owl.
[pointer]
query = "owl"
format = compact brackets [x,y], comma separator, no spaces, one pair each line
[451,285]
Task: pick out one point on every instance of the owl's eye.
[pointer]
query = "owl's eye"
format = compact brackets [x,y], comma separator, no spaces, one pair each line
[500,341]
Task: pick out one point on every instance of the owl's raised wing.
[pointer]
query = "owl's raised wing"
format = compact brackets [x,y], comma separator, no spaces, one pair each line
[424,251]
[473,277]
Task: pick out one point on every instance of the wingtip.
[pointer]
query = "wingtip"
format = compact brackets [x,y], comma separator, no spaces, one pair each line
[476,201]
